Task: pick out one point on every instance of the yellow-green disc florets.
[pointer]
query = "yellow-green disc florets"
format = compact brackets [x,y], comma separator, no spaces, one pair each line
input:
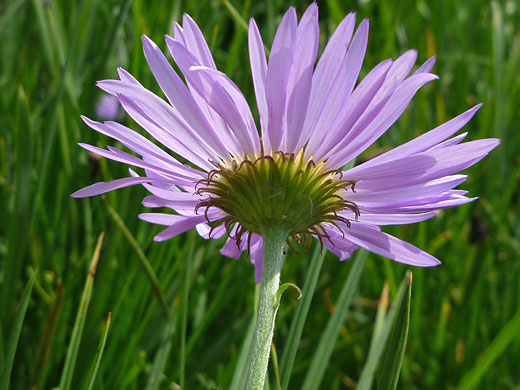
[283,190]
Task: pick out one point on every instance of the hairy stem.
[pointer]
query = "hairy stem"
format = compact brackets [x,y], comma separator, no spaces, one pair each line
[273,241]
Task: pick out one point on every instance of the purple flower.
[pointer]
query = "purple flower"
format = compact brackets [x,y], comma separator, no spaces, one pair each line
[313,120]
[108,107]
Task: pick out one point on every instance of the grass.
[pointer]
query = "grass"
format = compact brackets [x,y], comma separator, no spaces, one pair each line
[180,312]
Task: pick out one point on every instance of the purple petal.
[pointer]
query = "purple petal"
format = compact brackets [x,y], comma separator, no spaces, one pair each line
[108,107]
[127,77]
[207,233]
[338,245]
[259,71]
[178,33]
[224,96]
[367,131]
[180,97]
[444,202]
[129,138]
[400,69]
[153,201]
[325,73]
[185,60]
[173,194]
[340,254]
[427,66]
[452,141]
[162,219]
[368,109]
[331,60]
[230,249]
[177,224]
[181,225]
[142,146]
[426,140]
[350,112]
[342,86]
[159,119]
[257,251]
[196,43]
[394,219]
[425,166]
[392,83]
[300,76]
[276,77]
[118,155]
[388,246]
[103,187]
[367,191]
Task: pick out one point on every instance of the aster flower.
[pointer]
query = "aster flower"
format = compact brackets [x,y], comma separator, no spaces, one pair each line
[313,120]
[285,182]
[108,107]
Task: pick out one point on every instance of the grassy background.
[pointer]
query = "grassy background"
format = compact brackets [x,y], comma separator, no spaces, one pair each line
[465,314]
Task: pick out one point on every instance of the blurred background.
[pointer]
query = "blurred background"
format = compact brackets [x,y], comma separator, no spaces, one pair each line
[465,316]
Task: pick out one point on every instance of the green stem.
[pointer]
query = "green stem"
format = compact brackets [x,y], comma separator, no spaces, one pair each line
[273,241]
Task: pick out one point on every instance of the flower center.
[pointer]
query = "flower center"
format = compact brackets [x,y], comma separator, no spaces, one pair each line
[283,190]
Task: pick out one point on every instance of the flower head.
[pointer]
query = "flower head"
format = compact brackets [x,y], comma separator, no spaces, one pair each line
[313,121]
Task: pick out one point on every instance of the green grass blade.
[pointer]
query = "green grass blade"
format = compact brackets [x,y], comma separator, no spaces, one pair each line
[379,327]
[379,341]
[498,62]
[184,313]
[219,300]
[276,366]
[295,332]
[44,350]
[9,12]
[99,353]
[150,273]
[162,354]
[2,352]
[395,351]
[508,333]
[382,310]
[72,351]
[328,339]
[16,236]
[5,375]
[240,376]
[240,20]
[122,15]
[236,15]
[45,34]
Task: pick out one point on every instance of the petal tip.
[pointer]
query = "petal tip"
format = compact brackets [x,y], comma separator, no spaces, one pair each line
[76,194]
[148,44]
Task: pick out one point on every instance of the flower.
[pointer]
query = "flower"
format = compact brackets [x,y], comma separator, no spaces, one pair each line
[107,107]
[313,119]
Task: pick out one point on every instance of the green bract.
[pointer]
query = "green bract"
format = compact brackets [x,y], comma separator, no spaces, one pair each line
[283,190]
